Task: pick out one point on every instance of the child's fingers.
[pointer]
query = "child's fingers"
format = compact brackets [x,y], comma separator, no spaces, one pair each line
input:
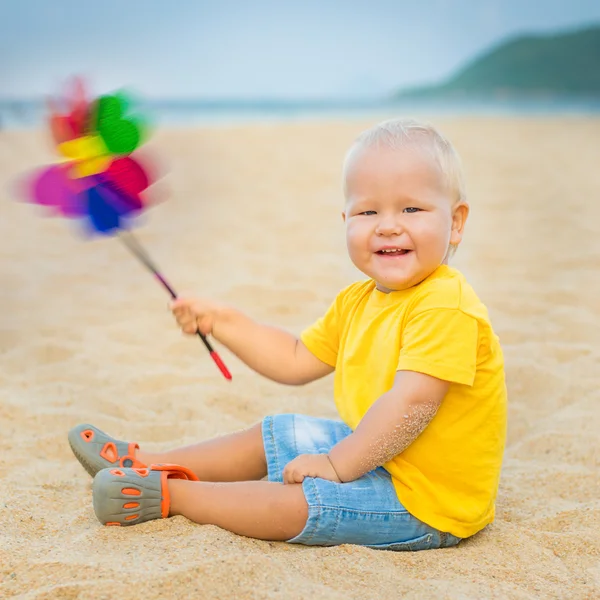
[183,317]
[177,311]
[292,476]
[190,327]
[181,303]
[205,325]
[180,314]
[286,475]
[187,322]
[180,309]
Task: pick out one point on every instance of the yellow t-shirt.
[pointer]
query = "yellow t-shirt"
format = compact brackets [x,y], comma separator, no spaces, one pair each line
[448,477]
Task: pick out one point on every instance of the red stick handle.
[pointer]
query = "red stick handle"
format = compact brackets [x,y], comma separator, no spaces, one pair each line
[221,365]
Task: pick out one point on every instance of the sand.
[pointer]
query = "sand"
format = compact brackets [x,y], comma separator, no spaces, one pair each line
[253,220]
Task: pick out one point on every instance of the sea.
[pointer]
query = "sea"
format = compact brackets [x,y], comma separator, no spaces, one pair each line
[26,114]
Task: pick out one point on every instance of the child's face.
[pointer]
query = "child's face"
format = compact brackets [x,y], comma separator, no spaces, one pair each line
[398,200]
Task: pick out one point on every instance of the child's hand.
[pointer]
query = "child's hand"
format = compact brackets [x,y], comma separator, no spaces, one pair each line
[309,465]
[195,314]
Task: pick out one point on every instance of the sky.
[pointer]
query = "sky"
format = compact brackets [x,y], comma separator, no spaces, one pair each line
[257,49]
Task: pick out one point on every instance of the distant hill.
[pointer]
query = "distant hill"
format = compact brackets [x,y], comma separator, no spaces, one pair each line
[565,64]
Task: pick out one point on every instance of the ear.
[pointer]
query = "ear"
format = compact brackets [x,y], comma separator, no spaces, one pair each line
[460,212]
[343,216]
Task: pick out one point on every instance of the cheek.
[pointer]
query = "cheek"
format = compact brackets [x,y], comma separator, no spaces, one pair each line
[356,235]
[438,230]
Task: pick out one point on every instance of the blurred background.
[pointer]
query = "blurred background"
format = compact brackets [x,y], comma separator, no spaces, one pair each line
[255,104]
[206,61]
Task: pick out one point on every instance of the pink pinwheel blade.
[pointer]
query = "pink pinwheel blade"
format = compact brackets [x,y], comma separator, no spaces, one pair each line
[54,189]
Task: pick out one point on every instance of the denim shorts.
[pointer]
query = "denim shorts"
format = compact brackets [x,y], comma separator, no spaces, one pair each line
[364,512]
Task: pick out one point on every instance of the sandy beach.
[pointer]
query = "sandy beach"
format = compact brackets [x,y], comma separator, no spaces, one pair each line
[253,219]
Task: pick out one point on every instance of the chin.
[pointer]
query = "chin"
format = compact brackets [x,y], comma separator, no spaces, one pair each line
[395,285]
[392,286]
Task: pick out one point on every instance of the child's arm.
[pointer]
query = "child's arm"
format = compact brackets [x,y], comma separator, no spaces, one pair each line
[392,423]
[268,350]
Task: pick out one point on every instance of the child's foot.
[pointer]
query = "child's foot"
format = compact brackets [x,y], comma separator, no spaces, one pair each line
[131,496]
[96,450]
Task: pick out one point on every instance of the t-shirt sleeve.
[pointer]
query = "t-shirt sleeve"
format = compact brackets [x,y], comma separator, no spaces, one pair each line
[322,338]
[441,342]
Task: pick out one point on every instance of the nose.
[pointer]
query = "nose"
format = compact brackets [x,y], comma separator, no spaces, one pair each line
[389,225]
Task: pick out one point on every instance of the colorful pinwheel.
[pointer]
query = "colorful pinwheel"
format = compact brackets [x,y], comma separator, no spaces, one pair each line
[98,181]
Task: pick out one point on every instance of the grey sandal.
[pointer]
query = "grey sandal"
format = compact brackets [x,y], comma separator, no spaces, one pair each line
[130,496]
[96,450]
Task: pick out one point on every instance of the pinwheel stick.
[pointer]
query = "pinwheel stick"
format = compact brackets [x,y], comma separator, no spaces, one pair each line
[131,243]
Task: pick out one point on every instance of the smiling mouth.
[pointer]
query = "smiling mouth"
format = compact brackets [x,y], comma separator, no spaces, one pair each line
[392,252]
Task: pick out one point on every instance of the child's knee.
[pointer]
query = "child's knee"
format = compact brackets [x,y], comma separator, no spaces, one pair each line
[290,508]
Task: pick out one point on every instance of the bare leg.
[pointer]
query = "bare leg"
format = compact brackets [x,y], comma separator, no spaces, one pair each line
[259,509]
[238,456]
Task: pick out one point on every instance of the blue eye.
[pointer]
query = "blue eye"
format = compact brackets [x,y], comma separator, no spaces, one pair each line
[412,209]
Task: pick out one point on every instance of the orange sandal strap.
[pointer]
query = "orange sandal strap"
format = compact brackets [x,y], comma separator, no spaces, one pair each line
[170,472]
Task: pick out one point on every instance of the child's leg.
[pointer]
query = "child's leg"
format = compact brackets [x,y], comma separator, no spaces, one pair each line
[238,456]
[259,509]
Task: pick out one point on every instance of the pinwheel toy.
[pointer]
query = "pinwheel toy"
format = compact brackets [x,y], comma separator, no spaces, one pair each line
[98,181]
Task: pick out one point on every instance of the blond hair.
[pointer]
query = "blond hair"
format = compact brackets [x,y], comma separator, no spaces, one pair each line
[400,133]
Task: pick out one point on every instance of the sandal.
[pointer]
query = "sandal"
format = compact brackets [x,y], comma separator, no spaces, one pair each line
[131,496]
[96,450]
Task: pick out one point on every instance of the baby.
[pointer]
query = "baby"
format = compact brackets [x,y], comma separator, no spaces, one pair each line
[414,463]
